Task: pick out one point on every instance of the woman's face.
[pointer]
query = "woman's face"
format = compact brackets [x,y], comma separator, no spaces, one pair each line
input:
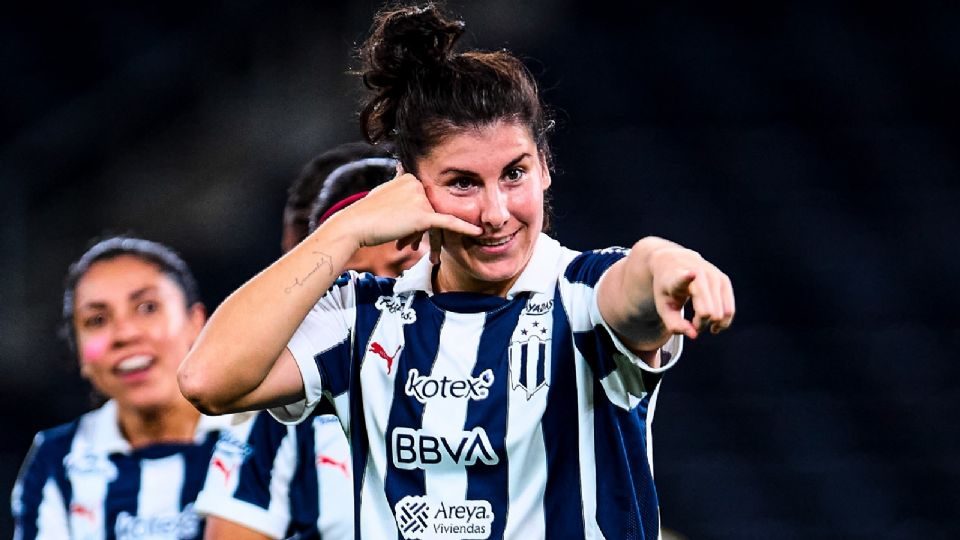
[493,177]
[133,329]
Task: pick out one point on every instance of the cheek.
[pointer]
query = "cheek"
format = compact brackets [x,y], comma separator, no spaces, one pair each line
[526,205]
[94,348]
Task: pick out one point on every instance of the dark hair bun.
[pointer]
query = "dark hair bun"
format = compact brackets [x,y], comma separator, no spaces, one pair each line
[405,40]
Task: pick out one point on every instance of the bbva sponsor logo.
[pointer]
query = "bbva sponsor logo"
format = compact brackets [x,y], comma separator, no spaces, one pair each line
[414,449]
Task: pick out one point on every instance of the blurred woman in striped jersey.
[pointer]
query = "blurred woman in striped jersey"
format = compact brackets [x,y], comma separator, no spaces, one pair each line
[132,467]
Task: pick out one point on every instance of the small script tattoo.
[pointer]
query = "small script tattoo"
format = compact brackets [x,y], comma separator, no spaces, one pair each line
[322,260]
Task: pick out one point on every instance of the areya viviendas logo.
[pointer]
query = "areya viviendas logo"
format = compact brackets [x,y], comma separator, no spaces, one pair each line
[420,518]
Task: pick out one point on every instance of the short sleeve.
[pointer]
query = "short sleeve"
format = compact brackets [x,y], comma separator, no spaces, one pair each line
[325,332]
[669,353]
[626,379]
[249,475]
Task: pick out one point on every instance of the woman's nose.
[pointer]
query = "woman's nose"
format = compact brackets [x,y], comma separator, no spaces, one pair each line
[495,212]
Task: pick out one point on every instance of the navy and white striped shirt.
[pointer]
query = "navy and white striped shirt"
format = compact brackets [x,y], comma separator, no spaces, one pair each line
[473,416]
[83,480]
[283,480]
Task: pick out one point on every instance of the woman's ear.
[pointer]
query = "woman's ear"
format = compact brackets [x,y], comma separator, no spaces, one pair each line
[198,317]
[545,172]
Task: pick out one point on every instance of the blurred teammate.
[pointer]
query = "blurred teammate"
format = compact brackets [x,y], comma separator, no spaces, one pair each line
[270,481]
[131,468]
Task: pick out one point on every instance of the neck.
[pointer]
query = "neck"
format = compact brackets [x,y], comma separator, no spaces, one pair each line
[448,277]
[176,422]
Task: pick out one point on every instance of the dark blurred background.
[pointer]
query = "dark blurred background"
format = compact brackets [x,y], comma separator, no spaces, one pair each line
[809,149]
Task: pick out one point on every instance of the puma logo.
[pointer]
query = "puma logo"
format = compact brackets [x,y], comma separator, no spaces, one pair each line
[218,464]
[377,349]
[80,510]
[327,460]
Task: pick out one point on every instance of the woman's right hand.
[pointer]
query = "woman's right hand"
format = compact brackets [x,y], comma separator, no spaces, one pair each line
[399,211]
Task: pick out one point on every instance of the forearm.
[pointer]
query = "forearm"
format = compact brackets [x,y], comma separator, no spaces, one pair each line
[237,349]
[626,299]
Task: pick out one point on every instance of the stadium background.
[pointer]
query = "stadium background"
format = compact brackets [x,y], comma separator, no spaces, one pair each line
[810,149]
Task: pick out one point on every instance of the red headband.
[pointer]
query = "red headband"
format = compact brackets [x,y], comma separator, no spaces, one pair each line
[340,205]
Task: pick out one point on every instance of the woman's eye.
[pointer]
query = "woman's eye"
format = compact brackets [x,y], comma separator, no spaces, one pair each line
[514,174]
[148,307]
[462,183]
[94,321]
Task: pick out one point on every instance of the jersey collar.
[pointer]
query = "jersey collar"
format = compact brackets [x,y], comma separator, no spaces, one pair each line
[102,429]
[539,276]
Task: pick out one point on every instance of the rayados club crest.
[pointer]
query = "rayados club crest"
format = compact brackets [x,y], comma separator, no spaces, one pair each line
[530,358]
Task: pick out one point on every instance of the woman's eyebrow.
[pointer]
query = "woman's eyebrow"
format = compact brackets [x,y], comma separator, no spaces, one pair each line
[141,292]
[465,172]
[516,160]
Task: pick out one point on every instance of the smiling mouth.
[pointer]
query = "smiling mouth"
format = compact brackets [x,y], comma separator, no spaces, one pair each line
[493,242]
[133,364]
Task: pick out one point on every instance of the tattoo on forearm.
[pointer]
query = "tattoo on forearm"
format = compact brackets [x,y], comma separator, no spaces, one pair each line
[322,260]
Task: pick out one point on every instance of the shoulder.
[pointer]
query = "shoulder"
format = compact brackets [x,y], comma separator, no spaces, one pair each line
[589,266]
[55,441]
[357,288]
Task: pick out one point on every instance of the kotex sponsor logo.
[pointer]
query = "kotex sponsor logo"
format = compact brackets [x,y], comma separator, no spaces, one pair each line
[415,449]
[426,387]
[185,524]
[423,518]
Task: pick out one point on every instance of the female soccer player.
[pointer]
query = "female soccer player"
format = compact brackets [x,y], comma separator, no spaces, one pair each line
[132,467]
[504,386]
[267,480]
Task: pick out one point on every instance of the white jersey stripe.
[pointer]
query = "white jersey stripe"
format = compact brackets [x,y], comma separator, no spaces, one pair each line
[530,356]
[161,482]
[52,520]
[588,457]
[377,406]
[282,471]
[444,417]
[83,467]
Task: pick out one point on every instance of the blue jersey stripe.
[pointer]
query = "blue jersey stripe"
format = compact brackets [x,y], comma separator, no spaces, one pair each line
[491,482]
[334,367]
[366,319]
[304,492]
[124,489]
[562,499]
[264,441]
[587,267]
[627,499]
[408,413]
[597,347]
[196,465]
[45,461]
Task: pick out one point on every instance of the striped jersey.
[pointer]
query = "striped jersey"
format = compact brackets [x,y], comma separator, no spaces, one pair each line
[283,480]
[83,480]
[473,416]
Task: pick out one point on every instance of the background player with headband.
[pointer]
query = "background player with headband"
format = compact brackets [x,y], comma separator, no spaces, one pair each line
[131,311]
[268,480]
[504,387]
